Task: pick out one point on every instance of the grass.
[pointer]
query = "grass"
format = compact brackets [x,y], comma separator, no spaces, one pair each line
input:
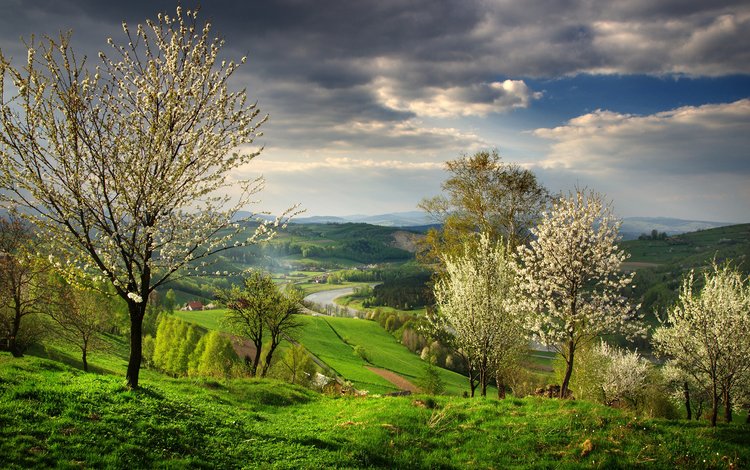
[52,415]
[693,249]
[357,304]
[333,340]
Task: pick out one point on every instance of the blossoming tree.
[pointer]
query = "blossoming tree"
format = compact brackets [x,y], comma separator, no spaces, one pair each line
[707,335]
[477,309]
[125,167]
[570,279]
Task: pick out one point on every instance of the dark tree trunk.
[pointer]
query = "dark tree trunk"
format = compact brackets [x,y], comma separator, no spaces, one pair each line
[84,351]
[256,360]
[137,311]
[714,405]
[568,369]
[269,355]
[727,406]
[686,393]
[12,341]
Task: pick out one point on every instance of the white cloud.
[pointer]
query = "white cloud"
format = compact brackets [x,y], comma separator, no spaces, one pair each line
[478,99]
[693,139]
[339,163]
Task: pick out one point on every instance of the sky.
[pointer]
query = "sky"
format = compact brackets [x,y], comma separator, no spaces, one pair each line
[646,101]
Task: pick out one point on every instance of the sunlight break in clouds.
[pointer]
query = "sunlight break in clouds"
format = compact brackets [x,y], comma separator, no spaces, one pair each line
[342,163]
[712,139]
[478,99]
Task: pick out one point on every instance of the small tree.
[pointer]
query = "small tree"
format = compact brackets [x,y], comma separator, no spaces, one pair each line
[213,356]
[297,366]
[431,382]
[125,167]
[80,317]
[707,335]
[281,321]
[260,308]
[477,309]
[247,308]
[23,285]
[570,277]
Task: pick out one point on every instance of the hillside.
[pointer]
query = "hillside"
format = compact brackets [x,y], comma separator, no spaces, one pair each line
[333,341]
[695,248]
[53,415]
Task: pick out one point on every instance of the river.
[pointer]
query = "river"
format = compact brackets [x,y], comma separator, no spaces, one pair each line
[326,299]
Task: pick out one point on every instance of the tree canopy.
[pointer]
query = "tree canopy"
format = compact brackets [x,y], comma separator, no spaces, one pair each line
[126,168]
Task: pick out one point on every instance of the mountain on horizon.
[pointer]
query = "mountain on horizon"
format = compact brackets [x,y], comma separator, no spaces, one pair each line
[631,228]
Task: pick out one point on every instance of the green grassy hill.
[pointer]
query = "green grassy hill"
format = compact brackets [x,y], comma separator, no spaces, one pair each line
[695,249]
[661,265]
[55,416]
[333,340]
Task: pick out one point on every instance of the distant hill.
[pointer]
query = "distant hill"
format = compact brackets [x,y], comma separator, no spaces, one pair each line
[394,219]
[633,227]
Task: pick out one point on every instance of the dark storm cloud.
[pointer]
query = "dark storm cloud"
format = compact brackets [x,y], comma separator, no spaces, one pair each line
[316,66]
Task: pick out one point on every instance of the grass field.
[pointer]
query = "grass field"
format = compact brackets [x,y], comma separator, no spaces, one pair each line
[55,416]
[693,249]
[332,340]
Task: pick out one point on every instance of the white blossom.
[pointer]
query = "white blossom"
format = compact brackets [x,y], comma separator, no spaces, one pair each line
[707,334]
[570,279]
[128,173]
[477,307]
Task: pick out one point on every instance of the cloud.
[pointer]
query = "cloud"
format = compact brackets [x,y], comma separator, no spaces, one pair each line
[478,99]
[708,139]
[319,68]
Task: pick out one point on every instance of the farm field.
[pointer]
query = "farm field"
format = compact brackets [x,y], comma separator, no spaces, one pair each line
[333,341]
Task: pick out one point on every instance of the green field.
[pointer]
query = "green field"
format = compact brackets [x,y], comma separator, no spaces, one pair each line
[327,338]
[55,416]
[695,248]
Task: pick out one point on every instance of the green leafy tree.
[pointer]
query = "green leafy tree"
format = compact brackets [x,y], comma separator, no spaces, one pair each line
[431,382]
[297,366]
[259,311]
[125,168]
[80,317]
[165,338]
[482,194]
[216,356]
[170,300]
[24,290]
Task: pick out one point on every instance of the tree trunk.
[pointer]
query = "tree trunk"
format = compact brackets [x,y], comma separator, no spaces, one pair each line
[137,311]
[686,393]
[84,351]
[568,369]
[12,342]
[727,406]
[500,387]
[256,360]
[267,361]
[714,405]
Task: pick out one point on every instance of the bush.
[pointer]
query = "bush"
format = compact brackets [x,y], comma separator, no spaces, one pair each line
[431,382]
[360,351]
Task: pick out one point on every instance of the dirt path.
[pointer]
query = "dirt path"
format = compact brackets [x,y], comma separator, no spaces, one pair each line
[395,379]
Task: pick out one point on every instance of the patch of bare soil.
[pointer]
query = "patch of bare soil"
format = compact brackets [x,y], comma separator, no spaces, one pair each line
[395,379]
[406,240]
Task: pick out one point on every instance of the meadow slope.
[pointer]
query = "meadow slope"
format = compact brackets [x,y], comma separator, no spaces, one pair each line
[52,415]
